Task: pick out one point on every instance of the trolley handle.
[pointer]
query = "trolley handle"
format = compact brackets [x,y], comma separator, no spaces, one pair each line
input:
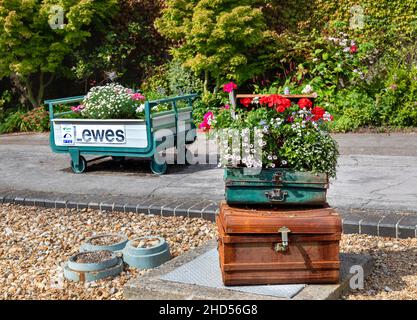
[54,102]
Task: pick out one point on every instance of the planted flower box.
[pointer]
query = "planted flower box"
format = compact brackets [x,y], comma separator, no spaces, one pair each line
[276,186]
[276,149]
[113,121]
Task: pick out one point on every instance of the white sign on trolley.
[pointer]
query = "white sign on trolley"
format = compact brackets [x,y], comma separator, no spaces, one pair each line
[100,133]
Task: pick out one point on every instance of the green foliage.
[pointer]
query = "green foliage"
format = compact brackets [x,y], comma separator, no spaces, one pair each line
[218,38]
[36,120]
[208,101]
[181,80]
[173,79]
[29,46]
[131,46]
[5,99]
[13,123]
[397,102]
[314,151]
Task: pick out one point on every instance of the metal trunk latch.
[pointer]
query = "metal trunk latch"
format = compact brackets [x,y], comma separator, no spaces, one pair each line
[278,177]
[283,246]
[276,195]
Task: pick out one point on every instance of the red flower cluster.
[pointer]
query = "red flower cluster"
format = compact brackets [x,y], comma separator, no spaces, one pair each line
[353,49]
[275,101]
[318,113]
[246,101]
[305,103]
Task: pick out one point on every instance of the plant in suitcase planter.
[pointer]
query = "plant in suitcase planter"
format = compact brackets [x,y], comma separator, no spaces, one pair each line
[285,142]
[114,121]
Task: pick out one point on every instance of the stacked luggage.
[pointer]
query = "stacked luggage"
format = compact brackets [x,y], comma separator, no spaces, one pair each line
[276,227]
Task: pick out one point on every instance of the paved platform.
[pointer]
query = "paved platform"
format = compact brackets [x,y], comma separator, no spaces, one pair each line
[155,286]
[375,190]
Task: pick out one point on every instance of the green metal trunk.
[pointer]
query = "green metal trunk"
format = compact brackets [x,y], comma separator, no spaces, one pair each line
[278,186]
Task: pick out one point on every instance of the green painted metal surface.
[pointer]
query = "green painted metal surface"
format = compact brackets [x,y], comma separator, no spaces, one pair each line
[278,187]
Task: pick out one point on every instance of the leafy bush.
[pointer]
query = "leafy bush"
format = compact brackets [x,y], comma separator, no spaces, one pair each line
[220,39]
[13,123]
[131,47]
[353,109]
[30,49]
[34,120]
[5,98]
[174,79]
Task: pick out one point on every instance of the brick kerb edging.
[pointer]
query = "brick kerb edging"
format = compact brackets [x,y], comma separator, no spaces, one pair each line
[380,224]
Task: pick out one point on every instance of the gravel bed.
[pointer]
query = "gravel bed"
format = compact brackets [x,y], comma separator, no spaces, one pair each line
[35,242]
[106,240]
[395,272]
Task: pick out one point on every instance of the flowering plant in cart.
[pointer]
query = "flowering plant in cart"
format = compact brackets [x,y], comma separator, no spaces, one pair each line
[275,132]
[111,101]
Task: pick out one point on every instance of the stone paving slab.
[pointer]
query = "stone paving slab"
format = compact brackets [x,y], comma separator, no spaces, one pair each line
[151,287]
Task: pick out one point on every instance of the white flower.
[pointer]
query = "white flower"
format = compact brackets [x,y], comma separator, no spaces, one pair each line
[140,108]
[307,90]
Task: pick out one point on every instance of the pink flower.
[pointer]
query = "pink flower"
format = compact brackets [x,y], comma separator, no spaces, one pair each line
[137,97]
[229,87]
[227,107]
[77,108]
[208,117]
[206,124]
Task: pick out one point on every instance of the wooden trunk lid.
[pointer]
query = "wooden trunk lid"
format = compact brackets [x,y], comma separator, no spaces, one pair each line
[319,221]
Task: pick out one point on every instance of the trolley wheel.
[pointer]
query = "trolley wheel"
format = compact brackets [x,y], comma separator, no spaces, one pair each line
[82,165]
[158,168]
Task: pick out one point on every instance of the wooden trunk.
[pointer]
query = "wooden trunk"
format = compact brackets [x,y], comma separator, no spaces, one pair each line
[251,246]
[277,187]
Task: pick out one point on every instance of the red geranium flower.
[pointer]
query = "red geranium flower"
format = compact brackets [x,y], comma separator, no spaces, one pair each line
[246,101]
[275,101]
[318,113]
[305,103]
[353,49]
[283,104]
[264,100]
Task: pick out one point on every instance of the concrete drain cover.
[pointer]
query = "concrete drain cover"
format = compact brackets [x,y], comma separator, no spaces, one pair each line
[205,271]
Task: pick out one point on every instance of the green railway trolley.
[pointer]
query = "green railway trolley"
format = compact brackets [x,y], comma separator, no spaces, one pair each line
[119,138]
